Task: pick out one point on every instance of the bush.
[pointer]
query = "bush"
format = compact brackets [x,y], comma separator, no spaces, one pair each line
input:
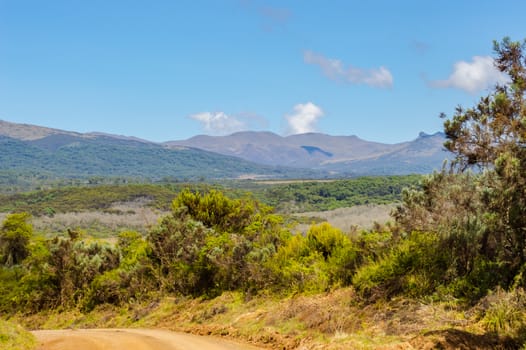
[15,234]
[324,258]
[14,337]
[295,268]
[211,243]
[475,284]
[133,280]
[414,267]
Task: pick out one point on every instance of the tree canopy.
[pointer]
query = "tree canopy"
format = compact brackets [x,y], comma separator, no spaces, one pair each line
[481,215]
[493,133]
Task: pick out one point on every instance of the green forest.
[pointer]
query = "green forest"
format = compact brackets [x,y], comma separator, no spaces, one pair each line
[457,237]
[289,197]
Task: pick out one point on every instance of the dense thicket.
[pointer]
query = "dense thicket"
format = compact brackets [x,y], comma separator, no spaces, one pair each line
[209,243]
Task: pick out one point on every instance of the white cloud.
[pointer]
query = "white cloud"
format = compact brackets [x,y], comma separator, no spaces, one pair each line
[219,123]
[335,69]
[304,118]
[479,74]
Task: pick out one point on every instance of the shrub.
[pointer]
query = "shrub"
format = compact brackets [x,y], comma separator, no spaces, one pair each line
[132,280]
[211,243]
[14,337]
[324,258]
[414,266]
[475,284]
[15,234]
[506,313]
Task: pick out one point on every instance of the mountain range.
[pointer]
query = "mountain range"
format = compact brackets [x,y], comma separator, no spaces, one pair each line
[64,154]
[331,154]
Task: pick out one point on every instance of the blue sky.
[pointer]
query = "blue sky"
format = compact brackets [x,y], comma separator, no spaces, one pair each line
[168,70]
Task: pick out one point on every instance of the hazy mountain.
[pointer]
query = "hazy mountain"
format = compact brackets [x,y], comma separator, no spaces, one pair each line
[27,132]
[58,153]
[64,154]
[340,154]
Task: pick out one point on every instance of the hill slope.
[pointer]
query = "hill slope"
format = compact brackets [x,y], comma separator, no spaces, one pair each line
[340,154]
[39,151]
[27,148]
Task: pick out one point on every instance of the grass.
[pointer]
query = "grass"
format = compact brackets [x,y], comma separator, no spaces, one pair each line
[505,313]
[14,337]
[347,219]
[138,215]
[332,320]
[124,217]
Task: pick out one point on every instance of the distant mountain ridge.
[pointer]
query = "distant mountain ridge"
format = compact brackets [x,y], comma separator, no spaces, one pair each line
[335,154]
[54,153]
[59,153]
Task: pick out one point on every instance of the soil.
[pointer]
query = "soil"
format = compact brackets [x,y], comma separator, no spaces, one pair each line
[130,339]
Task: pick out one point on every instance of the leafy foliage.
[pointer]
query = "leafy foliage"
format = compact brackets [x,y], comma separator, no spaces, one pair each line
[292,197]
[481,218]
[416,267]
[492,135]
[324,258]
[212,243]
[14,337]
[15,234]
[133,280]
[327,195]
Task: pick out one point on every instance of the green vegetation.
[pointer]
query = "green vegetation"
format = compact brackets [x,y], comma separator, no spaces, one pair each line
[103,209]
[85,198]
[481,218]
[326,195]
[14,337]
[290,197]
[63,157]
[459,238]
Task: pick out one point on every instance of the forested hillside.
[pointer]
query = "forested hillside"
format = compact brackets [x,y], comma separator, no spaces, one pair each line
[58,157]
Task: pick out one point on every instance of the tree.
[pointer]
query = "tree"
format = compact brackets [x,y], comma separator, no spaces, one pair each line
[211,243]
[480,216]
[492,137]
[15,234]
[494,131]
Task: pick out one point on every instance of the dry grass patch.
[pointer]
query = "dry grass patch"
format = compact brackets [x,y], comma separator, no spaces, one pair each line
[348,219]
[120,217]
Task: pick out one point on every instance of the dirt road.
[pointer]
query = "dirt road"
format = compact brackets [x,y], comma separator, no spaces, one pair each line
[130,339]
